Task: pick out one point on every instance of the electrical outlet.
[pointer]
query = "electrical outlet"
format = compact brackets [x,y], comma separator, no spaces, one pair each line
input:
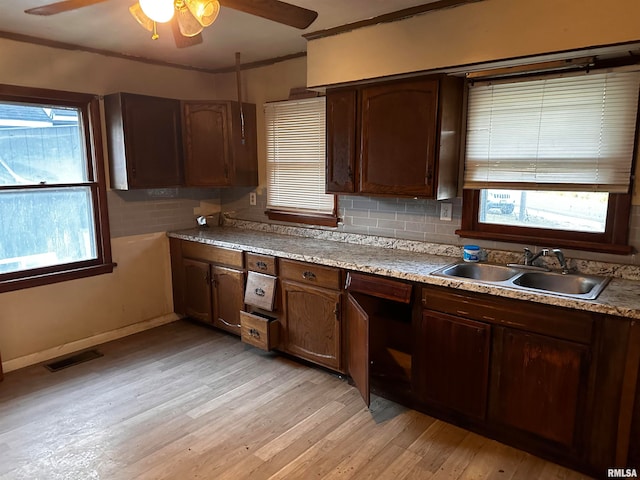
[252,198]
[446,210]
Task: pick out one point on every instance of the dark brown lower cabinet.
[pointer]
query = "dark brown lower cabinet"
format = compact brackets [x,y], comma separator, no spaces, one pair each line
[358,347]
[380,340]
[452,363]
[634,445]
[228,298]
[311,323]
[633,367]
[197,290]
[205,286]
[539,384]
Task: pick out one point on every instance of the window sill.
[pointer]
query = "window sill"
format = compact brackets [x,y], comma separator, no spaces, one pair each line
[55,277]
[308,219]
[563,243]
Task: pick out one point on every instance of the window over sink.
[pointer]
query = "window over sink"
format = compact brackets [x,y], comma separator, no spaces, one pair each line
[52,193]
[549,159]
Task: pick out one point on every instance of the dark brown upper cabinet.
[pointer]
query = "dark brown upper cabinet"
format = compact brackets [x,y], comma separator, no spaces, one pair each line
[397,138]
[144,141]
[220,144]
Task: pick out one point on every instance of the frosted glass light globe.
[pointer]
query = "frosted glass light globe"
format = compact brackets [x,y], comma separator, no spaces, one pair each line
[160,11]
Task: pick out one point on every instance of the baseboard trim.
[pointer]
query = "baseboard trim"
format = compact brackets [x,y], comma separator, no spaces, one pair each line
[67,348]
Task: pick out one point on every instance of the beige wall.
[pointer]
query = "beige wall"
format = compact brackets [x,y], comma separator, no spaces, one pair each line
[37,66]
[42,318]
[477,32]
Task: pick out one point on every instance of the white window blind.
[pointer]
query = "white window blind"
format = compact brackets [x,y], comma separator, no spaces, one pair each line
[571,132]
[296,151]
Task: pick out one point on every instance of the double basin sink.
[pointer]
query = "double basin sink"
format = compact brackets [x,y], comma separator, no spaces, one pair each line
[575,285]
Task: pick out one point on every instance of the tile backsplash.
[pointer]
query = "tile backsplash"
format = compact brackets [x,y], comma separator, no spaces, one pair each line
[136,212]
[147,211]
[409,219]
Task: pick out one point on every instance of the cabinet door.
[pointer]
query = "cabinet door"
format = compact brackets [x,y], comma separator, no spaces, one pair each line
[634,438]
[144,135]
[539,384]
[358,347]
[197,290]
[398,138]
[311,323]
[452,367]
[207,158]
[341,141]
[228,298]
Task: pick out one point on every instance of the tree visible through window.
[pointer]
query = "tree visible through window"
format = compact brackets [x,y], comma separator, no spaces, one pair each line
[52,194]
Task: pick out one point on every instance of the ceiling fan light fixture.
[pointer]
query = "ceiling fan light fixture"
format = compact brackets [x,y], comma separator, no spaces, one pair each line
[160,11]
[140,17]
[205,11]
[187,23]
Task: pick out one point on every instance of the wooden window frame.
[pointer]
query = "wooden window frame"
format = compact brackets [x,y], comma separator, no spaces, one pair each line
[615,238]
[89,106]
[302,216]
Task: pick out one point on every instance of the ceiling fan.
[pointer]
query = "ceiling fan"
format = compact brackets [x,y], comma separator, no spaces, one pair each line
[189,17]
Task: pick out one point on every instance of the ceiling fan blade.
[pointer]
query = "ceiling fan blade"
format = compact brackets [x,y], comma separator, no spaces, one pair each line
[274,10]
[182,41]
[60,7]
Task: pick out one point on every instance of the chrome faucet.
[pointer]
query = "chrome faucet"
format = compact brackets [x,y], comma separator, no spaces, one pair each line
[530,257]
[563,262]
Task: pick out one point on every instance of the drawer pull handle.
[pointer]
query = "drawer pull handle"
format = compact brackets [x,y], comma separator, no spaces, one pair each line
[261,265]
[307,275]
[259,292]
[254,333]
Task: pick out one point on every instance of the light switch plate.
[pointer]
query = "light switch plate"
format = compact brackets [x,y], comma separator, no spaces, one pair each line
[446,210]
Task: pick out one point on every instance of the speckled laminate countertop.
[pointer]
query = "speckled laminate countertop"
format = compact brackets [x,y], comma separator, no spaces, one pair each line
[621,297]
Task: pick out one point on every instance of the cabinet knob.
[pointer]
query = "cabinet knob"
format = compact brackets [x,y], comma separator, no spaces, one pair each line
[259,292]
[261,265]
[307,275]
[254,333]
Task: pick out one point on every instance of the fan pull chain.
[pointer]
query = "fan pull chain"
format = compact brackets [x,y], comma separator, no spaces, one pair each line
[155,35]
[239,86]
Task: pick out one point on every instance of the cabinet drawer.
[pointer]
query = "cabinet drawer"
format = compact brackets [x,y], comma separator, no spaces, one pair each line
[258,330]
[379,287]
[261,263]
[209,253]
[311,274]
[260,291]
[549,320]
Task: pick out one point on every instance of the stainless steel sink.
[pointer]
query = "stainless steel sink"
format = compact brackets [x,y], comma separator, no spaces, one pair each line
[584,286]
[486,272]
[573,285]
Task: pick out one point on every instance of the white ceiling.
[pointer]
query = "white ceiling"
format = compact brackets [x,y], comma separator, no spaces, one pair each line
[109,26]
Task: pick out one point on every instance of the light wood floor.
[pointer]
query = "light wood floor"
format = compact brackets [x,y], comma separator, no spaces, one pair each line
[183,401]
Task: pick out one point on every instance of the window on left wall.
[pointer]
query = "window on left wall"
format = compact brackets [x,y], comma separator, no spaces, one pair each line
[53,209]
